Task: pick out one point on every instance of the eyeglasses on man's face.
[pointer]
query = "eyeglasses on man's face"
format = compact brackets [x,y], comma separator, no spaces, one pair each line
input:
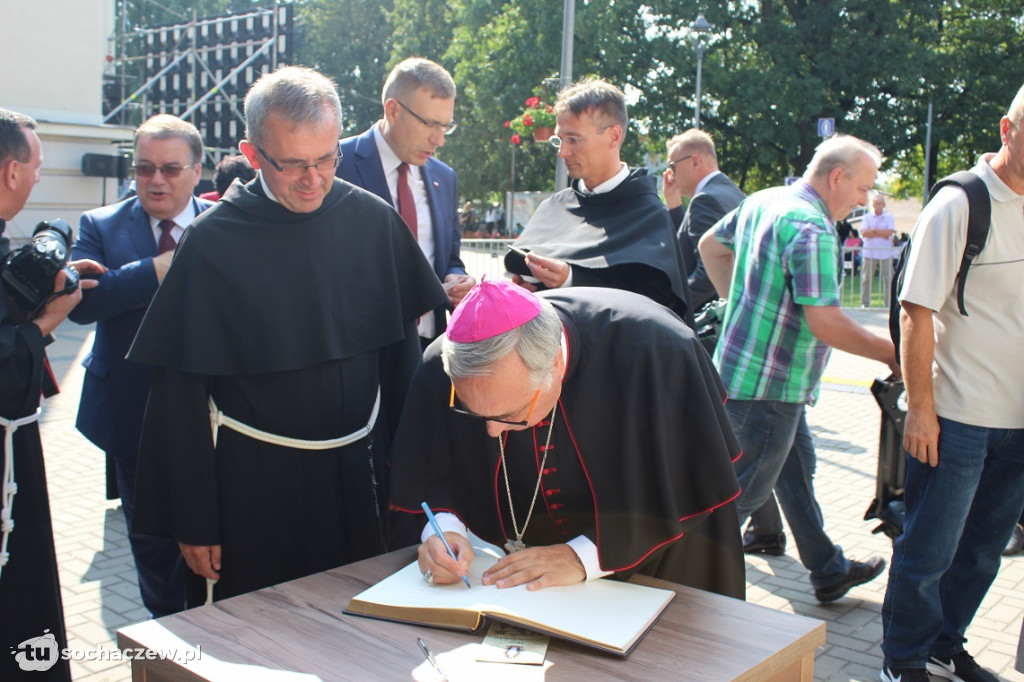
[170,170]
[294,170]
[573,140]
[511,422]
[444,128]
[672,164]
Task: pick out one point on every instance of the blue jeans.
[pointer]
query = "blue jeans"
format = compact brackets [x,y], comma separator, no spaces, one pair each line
[959,516]
[778,453]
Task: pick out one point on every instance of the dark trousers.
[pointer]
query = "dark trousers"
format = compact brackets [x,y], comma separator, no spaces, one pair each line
[158,559]
[766,520]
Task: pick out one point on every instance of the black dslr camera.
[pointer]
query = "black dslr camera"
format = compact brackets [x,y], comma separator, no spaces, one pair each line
[29,271]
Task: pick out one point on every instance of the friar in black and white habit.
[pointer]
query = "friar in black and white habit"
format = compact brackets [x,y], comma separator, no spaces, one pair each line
[288,321]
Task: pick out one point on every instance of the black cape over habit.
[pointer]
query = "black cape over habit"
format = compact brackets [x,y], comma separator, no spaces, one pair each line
[640,459]
[622,239]
[30,602]
[290,322]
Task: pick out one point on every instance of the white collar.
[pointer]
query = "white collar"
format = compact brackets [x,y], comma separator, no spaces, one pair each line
[609,184]
[704,182]
[266,188]
[389,161]
[182,220]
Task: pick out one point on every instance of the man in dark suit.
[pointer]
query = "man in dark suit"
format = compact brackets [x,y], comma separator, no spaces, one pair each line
[693,173]
[394,159]
[135,239]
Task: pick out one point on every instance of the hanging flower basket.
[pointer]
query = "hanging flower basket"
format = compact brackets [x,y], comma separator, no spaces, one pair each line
[543,134]
[537,118]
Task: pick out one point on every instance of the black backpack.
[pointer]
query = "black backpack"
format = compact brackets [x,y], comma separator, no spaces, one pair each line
[979,217]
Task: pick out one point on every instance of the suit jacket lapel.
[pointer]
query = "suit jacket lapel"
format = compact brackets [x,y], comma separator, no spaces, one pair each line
[369,167]
[432,198]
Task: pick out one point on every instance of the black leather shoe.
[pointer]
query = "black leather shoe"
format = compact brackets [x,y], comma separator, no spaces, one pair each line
[1014,547]
[773,544]
[860,572]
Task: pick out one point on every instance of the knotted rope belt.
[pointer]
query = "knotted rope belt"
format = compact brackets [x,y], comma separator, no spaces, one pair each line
[218,419]
[9,486]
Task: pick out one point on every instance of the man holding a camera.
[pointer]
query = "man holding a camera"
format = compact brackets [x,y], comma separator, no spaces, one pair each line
[29,312]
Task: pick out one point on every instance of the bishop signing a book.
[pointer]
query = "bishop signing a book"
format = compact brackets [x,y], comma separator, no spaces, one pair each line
[583,430]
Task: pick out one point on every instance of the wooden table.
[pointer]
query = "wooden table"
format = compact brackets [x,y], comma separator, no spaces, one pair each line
[297,631]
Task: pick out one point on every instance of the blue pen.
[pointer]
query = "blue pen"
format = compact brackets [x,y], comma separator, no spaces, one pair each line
[437,531]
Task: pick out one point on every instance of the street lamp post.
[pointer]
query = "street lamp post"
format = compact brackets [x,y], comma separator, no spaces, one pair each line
[565,78]
[699,27]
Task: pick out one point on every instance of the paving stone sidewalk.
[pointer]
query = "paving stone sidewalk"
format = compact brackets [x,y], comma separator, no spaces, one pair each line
[101,594]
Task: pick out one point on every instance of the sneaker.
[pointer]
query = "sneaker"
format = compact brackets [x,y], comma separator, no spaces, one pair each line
[773,543]
[860,572]
[1014,547]
[904,675]
[960,668]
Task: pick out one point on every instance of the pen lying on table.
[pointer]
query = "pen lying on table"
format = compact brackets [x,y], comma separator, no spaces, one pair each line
[432,660]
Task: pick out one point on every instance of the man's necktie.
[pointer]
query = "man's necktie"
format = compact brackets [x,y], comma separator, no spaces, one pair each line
[406,204]
[166,242]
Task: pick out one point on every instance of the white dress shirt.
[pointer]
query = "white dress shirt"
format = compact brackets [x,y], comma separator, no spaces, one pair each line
[424,227]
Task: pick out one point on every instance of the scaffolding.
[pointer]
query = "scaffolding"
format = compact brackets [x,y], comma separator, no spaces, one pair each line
[199,71]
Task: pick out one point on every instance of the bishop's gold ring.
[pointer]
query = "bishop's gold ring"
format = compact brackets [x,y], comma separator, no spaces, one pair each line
[429,577]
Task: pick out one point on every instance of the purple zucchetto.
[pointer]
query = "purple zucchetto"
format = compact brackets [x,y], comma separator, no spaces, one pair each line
[492,307]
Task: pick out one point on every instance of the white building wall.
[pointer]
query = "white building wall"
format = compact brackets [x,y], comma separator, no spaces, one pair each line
[54,54]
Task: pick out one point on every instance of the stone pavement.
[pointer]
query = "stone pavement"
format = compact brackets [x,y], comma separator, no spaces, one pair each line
[101,595]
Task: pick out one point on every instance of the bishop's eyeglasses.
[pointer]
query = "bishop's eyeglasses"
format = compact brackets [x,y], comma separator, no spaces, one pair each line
[511,422]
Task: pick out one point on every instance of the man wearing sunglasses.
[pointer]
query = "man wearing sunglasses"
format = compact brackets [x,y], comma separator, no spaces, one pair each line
[136,239]
[609,229]
[394,159]
[288,323]
[583,427]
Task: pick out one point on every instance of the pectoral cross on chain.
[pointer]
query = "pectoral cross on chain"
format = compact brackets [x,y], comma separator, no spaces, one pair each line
[513,546]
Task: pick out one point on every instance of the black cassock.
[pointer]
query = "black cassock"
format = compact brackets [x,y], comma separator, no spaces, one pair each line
[290,322]
[622,239]
[30,601]
[640,459]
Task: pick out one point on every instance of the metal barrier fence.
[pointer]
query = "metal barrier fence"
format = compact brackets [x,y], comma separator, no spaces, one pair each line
[486,257]
[853,292]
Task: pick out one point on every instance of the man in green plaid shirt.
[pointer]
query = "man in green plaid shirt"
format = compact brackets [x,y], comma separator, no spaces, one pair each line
[777,257]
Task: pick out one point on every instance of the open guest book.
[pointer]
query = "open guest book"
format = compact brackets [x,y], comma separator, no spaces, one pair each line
[605,614]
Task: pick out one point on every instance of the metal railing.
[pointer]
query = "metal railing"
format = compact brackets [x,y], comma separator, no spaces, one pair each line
[853,293]
[486,257]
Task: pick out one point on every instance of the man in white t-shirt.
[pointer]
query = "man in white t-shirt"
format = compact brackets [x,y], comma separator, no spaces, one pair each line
[964,432]
[877,230]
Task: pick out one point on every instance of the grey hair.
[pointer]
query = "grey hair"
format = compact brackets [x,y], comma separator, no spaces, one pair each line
[13,143]
[416,72]
[840,151]
[597,95]
[166,127]
[537,343]
[1016,111]
[297,93]
[694,140]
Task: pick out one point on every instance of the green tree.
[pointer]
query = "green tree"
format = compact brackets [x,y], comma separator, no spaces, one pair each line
[349,40]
